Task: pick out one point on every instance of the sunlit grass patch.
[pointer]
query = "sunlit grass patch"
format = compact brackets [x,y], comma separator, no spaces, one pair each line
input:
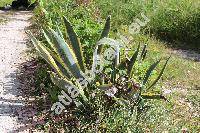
[4,2]
[181,83]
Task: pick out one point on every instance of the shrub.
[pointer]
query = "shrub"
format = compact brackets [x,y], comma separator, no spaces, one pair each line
[177,20]
[171,20]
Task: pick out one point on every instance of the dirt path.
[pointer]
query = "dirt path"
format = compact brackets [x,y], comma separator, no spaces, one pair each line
[12,54]
[188,54]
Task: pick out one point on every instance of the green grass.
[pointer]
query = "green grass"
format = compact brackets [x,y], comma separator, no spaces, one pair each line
[4,2]
[176,21]
[182,78]
[170,20]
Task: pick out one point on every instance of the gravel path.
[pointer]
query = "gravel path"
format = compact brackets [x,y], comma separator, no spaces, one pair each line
[12,54]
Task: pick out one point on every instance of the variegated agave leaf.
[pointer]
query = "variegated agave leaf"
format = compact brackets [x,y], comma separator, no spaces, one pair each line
[75,44]
[45,54]
[59,31]
[105,32]
[64,83]
[133,60]
[66,54]
[62,66]
[49,38]
[55,54]
[153,96]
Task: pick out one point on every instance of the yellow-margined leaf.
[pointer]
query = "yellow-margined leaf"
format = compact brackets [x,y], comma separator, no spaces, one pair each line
[60,64]
[104,33]
[75,44]
[66,54]
[63,83]
[45,54]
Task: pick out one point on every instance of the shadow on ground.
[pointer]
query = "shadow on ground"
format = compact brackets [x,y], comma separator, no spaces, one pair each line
[31,95]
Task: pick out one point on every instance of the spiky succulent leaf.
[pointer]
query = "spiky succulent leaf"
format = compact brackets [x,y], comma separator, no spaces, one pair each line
[59,62]
[105,32]
[49,37]
[144,51]
[160,75]
[45,54]
[153,96]
[59,31]
[149,71]
[75,44]
[64,83]
[66,54]
[104,87]
[133,60]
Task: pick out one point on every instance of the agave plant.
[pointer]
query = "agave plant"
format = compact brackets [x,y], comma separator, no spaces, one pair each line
[66,59]
[125,83]
[68,65]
